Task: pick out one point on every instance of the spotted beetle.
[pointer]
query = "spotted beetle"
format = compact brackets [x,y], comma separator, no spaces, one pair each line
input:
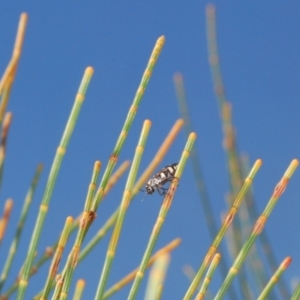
[158,180]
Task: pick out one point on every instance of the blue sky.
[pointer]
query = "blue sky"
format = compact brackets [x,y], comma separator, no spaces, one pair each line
[259,49]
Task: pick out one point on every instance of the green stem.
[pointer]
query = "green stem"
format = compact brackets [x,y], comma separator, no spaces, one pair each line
[51,182]
[57,257]
[208,277]
[275,278]
[161,217]
[14,245]
[122,212]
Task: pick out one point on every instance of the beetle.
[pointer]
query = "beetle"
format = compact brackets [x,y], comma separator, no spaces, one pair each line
[159,179]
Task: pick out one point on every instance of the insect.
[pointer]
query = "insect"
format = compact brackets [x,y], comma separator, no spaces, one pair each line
[158,180]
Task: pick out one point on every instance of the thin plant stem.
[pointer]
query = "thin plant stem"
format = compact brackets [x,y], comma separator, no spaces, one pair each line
[51,181]
[111,251]
[4,101]
[229,143]
[254,260]
[58,287]
[198,174]
[6,215]
[257,229]
[93,185]
[79,289]
[57,257]
[130,277]
[129,119]
[208,277]
[275,278]
[14,245]
[227,221]
[4,134]
[97,238]
[159,292]
[296,293]
[157,276]
[162,216]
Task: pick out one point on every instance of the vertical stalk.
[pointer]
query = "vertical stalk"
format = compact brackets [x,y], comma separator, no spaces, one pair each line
[208,277]
[14,245]
[162,216]
[57,257]
[122,212]
[79,289]
[51,181]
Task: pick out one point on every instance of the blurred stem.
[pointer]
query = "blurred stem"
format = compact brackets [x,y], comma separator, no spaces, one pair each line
[14,245]
[127,279]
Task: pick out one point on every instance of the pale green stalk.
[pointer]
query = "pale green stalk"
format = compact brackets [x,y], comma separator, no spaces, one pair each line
[229,141]
[79,289]
[129,119]
[14,245]
[254,260]
[227,221]
[57,257]
[97,238]
[208,277]
[130,277]
[93,185]
[296,293]
[51,181]
[257,229]
[127,195]
[265,294]
[58,287]
[161,217]
[157,277]
[4,101]
[73,256]
[160,289]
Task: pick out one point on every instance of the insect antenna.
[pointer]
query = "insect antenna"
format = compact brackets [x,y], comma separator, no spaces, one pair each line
[145,194]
